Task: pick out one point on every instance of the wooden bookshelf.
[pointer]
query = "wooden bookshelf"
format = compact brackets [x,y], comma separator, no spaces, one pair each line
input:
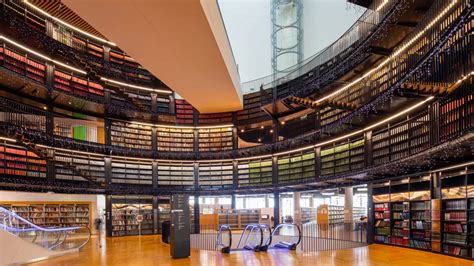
[17,160]
[130,135]
[53,214]
[175,139]
[126,219]
[215,139]
[402,213]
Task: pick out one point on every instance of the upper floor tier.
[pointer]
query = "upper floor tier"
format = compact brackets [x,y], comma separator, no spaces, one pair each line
[429,58]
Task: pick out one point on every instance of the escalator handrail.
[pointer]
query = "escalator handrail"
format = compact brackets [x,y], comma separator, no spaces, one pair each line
[270,237]
[290,225]
[224,227]
[35,228]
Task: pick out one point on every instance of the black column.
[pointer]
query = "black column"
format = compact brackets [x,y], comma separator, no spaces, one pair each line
[235,131]
[233,203]
[196,176]
[172,104]
[156,217]
[275,171]
[317,162]
[108,215]
[370,215]
[368,148]
[108,171]
[235,174]
[276,208]
[196,214]
[108,134]
[154,140]
[154,175]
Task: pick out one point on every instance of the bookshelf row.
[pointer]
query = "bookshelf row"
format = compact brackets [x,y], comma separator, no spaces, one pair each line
[414,219]
[132,219]
[134,136]
[52,214]
[238,219]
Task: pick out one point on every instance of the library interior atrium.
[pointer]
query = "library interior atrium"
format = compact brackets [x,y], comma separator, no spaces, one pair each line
[237,132]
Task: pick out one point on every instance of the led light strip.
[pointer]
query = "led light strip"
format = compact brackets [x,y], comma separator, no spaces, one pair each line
[453,167]
[135,86]
[7,139]
[78,70]
[229,126]
[395,54]
[381,6]
[67,24]
[364,129]
[41,55]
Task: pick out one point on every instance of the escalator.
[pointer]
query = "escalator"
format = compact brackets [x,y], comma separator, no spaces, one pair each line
[287,236]
[28,241]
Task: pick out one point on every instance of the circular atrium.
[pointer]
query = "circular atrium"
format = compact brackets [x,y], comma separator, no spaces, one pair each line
[279,132]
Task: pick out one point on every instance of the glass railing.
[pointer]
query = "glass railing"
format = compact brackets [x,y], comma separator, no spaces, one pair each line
[51,238]
[361,29]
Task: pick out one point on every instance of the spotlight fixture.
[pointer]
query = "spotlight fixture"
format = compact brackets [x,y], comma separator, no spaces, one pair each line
[242,130]
[259,139]
[271,130]
[262,127]
[283,122]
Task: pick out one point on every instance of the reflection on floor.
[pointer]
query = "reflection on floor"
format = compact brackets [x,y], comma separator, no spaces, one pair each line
[149,250]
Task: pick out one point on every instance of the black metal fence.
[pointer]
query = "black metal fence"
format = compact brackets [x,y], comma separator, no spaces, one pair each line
[314,237]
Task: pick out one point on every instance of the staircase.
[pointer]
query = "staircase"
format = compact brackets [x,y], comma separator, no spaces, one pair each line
[22,140]
[94,76]
[309,103]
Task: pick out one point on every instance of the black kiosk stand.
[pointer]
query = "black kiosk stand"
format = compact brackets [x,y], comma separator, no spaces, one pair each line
[179,235]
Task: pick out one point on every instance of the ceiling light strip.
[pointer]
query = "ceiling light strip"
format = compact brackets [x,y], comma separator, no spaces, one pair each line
[8,139]
[135,86]
[395,54]
[79,70]
[41,55]
[67,24]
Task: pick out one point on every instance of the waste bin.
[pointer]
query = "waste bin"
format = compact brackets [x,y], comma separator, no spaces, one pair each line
[165,231]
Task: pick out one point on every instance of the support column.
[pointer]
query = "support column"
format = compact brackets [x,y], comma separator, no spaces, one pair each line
[267,201]
[317,162]
[196,214]
[156,215]
[348,205]
[370,215]
[108,171]
[154,175]
[233,204]
[172,104]
[196,176]
[297,207]
[368,148]
[108,215]
[235,175]
[106,52]
[276,208]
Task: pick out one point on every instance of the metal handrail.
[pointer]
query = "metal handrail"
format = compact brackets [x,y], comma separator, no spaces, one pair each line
[61,233]
[222,228]
[292,246]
